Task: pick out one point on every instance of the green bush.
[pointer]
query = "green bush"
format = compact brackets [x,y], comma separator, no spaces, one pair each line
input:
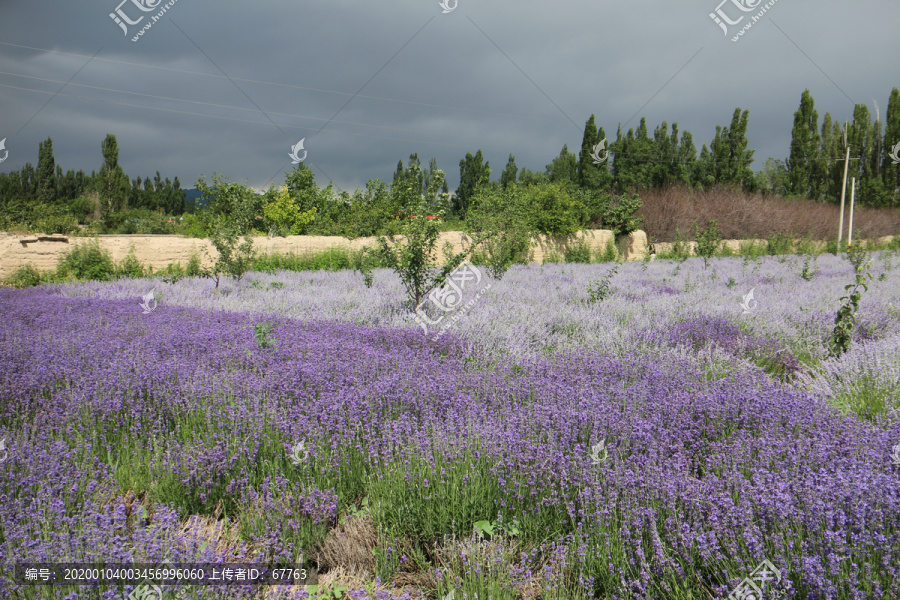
[610,254]
[194,267]
[60,223]
[578,252]
[550,209]
[23,277]
[333,259]
[130,267]
[779,243]
[193,226]
[753,249]
[87,261]
[619,216]
[680,249]
[552,256]
[81,207]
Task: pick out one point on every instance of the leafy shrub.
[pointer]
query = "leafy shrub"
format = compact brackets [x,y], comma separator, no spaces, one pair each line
[552,256]
[284,216]
[227,202]
[610,254]
[130,267]
[808,272]
[172,273]
[87,261]
[23,277]
[551,210]
[680,248]
[193,226]
[333,259]
[505,229]
[233,259]
[779,243]
[708,241]
[579,252]
[619,216]
[59,223]
[262,333]
[80,207]
[413,260]
[194,267]
[600,290]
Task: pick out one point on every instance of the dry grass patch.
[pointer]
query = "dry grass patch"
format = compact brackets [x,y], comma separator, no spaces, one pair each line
[741,215]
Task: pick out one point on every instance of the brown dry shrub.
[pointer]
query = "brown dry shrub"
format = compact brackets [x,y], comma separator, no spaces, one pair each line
[741,215]
[349,546]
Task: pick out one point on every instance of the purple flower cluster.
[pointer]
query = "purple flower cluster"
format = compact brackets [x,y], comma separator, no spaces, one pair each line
[705,477]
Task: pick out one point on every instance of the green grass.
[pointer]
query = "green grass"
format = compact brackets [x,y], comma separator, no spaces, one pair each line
[333,259]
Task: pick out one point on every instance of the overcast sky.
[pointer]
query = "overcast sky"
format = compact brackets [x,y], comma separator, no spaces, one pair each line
[229,87]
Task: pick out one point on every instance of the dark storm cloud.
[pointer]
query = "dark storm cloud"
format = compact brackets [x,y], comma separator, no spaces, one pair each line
[229,87]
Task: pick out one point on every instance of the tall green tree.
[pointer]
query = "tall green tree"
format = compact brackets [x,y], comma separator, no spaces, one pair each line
[436,199]
[589,175]
[510,172]
[890,170]
[633,156]
[805,144]
[474,172]
[564,168]
[737,166]
[46,173]
[687,158]
[827,167]
[704,172]
[115,186]
[528,177]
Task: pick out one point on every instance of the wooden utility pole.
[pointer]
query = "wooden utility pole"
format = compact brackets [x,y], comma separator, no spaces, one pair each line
[843,195]
[852,199]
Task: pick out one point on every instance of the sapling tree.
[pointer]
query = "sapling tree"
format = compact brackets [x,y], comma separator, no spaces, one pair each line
[414,259]
[845,320]
[230,213]
[707,242]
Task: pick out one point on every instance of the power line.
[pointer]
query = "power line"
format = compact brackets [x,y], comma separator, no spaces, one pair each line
[232,118]
[213,104]
[286,85]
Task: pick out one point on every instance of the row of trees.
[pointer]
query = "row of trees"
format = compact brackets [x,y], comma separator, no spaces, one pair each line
[47,187]
[815,168]
[591,188]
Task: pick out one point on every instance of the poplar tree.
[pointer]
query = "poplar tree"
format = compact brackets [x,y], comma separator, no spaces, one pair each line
[473,173]
[510,172]
[115,186]
[46,173]
[589,175]
[563,168]
[890,171]
[804,145]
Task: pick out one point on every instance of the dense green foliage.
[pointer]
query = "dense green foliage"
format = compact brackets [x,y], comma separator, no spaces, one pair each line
[815,167]
[597,187]
[50,201]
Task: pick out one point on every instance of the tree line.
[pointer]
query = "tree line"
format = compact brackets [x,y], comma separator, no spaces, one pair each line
[597,186]
[46,191]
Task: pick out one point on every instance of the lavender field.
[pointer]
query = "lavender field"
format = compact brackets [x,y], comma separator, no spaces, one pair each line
[657,439]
